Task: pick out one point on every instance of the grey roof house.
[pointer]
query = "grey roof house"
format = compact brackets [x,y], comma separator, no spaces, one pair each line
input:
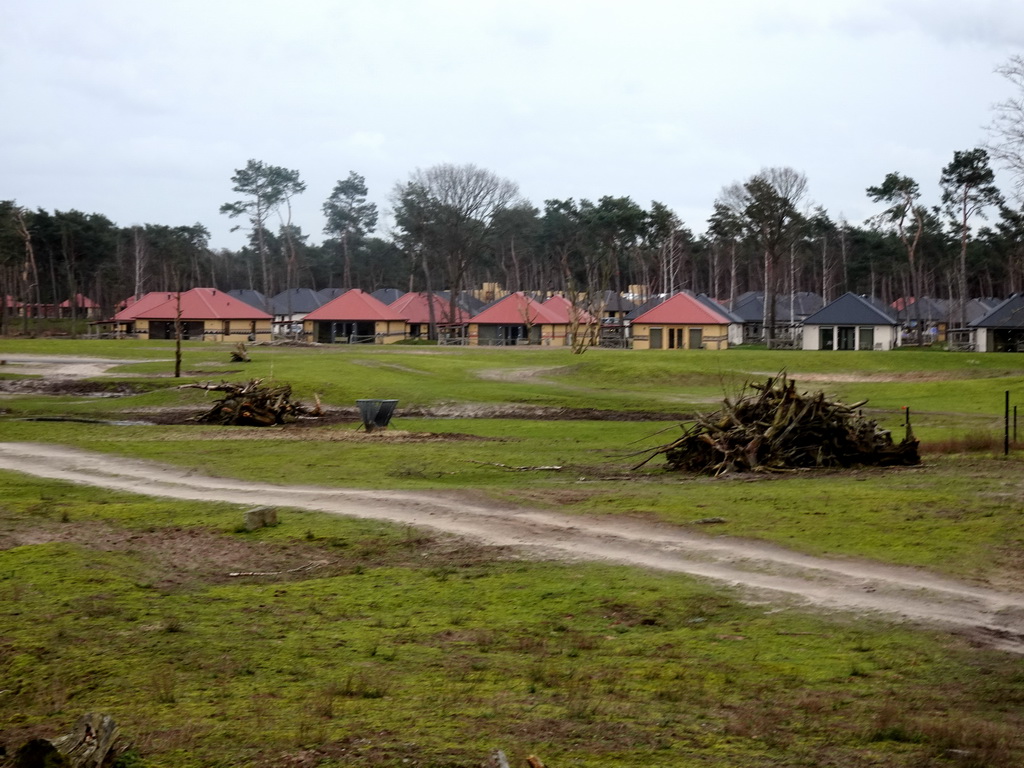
[790,311]
[1002,328]
[388,295]
[851,322]
[290,308]
[252,298]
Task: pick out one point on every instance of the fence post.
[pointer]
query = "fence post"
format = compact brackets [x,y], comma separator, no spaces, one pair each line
[1006,424]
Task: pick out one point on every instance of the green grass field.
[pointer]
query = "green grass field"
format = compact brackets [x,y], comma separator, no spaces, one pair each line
[400,648]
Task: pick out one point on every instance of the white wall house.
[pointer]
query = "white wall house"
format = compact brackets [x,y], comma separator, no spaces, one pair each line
[851,322]
[1002,328]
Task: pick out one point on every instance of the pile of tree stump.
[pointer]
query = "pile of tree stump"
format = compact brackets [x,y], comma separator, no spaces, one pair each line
[254,405]
[771,427]
[240,354]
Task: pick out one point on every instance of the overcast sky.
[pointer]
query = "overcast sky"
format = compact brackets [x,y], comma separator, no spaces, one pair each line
[142,111]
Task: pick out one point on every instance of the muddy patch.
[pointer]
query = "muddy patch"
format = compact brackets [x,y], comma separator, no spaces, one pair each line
[334,416]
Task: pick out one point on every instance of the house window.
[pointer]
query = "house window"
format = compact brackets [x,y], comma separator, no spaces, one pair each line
[867,338]
[696,338]
[826,338]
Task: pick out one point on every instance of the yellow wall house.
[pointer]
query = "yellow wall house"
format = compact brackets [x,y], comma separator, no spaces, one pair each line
[680,322]
[519,320]
[204,313]
[355,318]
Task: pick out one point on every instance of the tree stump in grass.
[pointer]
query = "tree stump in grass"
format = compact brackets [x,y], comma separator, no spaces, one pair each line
[260,517]
[239,354]
[94,743]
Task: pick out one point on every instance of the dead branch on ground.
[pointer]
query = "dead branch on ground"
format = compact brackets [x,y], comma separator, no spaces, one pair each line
[253,405]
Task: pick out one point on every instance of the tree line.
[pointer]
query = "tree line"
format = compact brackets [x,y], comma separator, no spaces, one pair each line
[458,226]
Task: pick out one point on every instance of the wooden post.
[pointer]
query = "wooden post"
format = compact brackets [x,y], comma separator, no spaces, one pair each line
[1006,424]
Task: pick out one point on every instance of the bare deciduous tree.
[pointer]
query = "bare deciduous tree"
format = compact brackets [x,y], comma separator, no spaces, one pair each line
[446,211]
[1007,126]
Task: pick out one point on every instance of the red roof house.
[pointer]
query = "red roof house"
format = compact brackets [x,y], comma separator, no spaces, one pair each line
[518,319]
[680,322]
[564,308]
[416,309]
[83,306]
[204,313]
[355,317]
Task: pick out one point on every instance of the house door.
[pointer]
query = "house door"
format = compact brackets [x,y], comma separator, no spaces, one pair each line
[655,338]
[512,335]
[826,338]
[867,338]
[696,338]
[1008,340]
[847,337]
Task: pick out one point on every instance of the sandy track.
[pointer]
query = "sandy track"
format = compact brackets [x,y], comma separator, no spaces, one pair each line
[762,571]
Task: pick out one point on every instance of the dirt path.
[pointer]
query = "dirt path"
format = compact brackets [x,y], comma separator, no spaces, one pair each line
[59,366]
[763,571]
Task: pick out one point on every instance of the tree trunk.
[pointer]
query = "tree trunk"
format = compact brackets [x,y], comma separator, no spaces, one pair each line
[140,262]
[769,298]
[177,336]
[732,276]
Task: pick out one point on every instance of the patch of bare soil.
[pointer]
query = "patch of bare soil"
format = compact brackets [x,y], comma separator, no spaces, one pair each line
[518,374]
[523,411]
[57,366]
[763,572]
[301,431]
[869,378]
[177,557]
[64,376]
[68,386]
